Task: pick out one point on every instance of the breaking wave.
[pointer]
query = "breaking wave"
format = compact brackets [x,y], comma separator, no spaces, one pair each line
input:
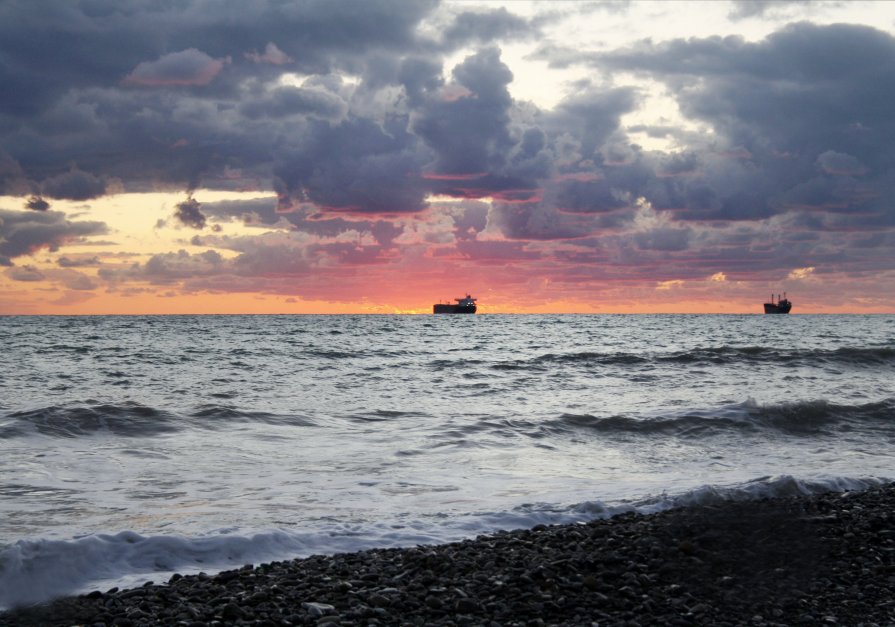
[130,419]
[808,418]
[33,571]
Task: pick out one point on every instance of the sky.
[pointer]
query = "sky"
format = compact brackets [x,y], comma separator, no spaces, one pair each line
[322,156]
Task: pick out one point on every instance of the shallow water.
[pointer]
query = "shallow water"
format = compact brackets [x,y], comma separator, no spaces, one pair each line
[137,446]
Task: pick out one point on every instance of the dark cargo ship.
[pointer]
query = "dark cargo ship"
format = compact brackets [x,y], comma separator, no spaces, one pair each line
[463,306]
[782,306]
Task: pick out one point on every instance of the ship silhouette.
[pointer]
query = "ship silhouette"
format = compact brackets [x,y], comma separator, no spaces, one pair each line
[782,306]
[463,306]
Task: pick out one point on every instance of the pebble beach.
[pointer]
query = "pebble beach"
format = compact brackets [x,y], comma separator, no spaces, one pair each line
[824,559]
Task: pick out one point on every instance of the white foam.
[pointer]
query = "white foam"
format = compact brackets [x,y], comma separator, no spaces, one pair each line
[33,571]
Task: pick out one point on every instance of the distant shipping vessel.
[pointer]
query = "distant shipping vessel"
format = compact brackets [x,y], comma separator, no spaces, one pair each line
[463,306]
[782,306]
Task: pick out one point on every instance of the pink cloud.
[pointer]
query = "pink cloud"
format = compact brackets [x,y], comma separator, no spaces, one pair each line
[436,176]
[187,67]
[583,177]
[272,55]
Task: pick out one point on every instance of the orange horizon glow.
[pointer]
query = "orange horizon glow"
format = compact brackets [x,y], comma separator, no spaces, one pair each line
[256,304]
[110,274]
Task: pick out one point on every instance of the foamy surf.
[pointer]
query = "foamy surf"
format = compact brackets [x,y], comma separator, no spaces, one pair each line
[33,571]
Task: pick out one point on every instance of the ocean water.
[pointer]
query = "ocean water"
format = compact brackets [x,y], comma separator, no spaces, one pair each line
[135,447]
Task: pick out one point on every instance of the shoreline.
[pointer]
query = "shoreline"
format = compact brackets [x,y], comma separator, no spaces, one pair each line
[820,559]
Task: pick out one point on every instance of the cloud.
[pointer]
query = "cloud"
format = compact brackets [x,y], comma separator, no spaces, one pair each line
[168,268]
[26,232]
[27,274]
[665,239]
[496,251]
[840,164]
[669,285]
[74,185]
[78,261]
[187,67]
[295,101]
[355,166]
[783,109]
[744,9]
[486,27]
[800,273]
[189,213]
[470,133]
[272,55]
[72,98]
[36,203]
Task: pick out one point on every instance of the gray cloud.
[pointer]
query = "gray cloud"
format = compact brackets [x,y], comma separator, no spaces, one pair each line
[26,232]
[190,214]
[486,27]
[145,93]
[79,261]
[791,113]
[356,166]
[469,133]
[36,203]
[290,101]
[187,67]
[744,9]
[74,185]
[27,274]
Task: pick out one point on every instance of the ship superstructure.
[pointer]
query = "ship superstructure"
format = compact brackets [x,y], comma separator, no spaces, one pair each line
[464,305]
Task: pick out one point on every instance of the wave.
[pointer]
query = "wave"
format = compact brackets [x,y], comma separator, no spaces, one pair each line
[127,419]
[806,418]
[715,356]
[33,571]
[130,419]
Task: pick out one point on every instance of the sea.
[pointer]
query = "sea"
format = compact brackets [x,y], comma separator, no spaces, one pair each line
[134,447]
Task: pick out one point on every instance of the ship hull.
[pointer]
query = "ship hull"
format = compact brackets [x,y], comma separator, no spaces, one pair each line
[453,309]
[772,308]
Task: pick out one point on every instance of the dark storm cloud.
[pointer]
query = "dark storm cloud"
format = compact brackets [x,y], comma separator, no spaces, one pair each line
[469,133]
[833,162]
[188,67]
[801,121]
[289,101]
[36,203]
[26,232]
[588,197]
[535,221]
[420,77]
[262,213]
[151,92]
[357,165]
[74,185]
[190,214]
[663,238]
[485,27]
[592,116]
